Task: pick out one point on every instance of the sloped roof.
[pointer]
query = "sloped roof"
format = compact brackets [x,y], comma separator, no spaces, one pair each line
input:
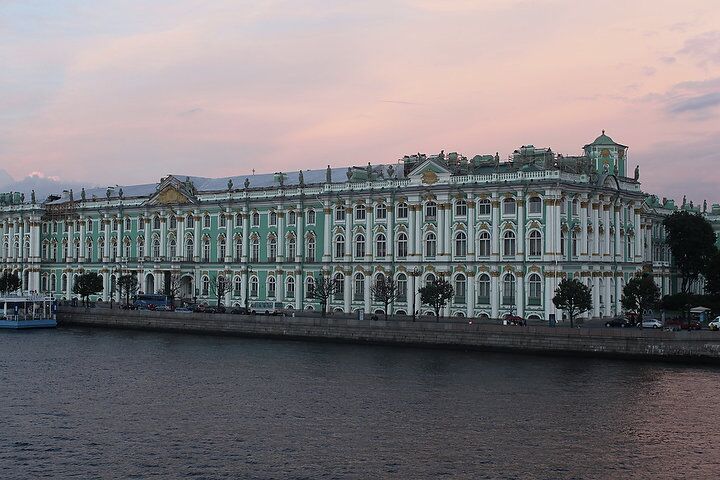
[604,140]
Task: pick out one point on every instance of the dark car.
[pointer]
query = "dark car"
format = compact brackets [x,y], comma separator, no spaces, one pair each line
[513,320]
[618,322]
[682,324]
[240,311]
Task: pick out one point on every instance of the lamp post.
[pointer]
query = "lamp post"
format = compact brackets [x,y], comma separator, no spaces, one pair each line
[416,273]
[247,289]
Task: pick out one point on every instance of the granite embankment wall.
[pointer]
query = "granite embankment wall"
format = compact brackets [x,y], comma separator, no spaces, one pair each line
[701,346]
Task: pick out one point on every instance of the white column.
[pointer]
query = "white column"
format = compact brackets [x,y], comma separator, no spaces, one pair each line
[370,236]
[618,294]
[596,230]
[442,229]
[494,294]
[83,226]
[596,294]
[470,297]
[180,236]
[411,231]
[390,229]
[229,241]
[521,243]
[106,235]
[606,294]
[348,230]
[281,235]
[520,293]
[584,253]
[549,294]
[327,212]
[606,233]
[618,245]
[471,227]
[22,254]
[300,238]
[246,236]
[299,288]
[638,236]
[418,229]
[198,238]
[495,234]
[411,293]
[366,293]
[163,234]
[347,293]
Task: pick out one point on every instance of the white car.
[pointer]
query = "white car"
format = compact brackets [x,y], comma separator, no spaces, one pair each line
[652,323]
[715,324]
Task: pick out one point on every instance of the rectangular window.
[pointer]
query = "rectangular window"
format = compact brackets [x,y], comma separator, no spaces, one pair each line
[402,210]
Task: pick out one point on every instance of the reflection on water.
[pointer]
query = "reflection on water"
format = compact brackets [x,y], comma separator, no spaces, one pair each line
[115,404]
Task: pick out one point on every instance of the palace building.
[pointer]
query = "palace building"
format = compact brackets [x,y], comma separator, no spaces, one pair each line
[502,232]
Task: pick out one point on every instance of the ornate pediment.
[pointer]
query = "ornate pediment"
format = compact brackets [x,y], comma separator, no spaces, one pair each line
[430,172]
[171,191]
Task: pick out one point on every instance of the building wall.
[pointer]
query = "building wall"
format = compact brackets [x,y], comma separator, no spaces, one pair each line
[599,233]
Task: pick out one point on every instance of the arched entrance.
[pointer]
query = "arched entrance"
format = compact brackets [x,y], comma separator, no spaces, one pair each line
[150,283]
[186,287]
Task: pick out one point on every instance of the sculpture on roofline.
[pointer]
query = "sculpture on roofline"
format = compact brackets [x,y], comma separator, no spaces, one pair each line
[22,198]
[684,200]
[71,195]
[391,171]
[328,175]
[704,206]
[301,178]
[82,194]
[637,172]
[120,193]
[32,196]
[349,173]
[230,185]
[247,183]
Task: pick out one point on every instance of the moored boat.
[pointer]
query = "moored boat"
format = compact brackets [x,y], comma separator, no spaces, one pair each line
[32,311]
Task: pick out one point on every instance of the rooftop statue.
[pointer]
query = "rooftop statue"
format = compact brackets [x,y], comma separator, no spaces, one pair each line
[282,179]
[684,200]
[82,194]
[301,178]
[71,195]
[108,192]
[328,175]
[32,197]
[120,192]
[637,172]
[368,169]
[349,173]
[247,183]
[391,172]
[704,206]
[230,185]
[22,198]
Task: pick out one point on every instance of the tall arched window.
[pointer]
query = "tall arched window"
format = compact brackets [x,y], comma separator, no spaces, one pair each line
[127,247]
[156,223]
[359,245]
[460,284]
[237,286]
[272,248]
[535,289]
[381,212]
[402,245]
[255,217]
[430,245]
[172,248]
[509,243]
[205,282]
[460,244]
[360,212]
[339,280]
[190,221]
[535,243]
[311,217]
[509,207]
[381,245]
[574,244]
[430,211]
[223,220]
[140,247]
[238,247]
[292,217]
[461,208]
[173,222]
[189,248]
[254,283]
[534,205]
[310,249]
[563,242]
[483,244]
[402,210]
[155,246]
[255,249]
[291,248]
[339,213]
[339,246]
[309,287]
[483,207]
[359,287]
[508,289]
[206,249]
[401,287]
[271,284]
[290,288]
[206,220]
[483,292]
[222,248]
[272,218]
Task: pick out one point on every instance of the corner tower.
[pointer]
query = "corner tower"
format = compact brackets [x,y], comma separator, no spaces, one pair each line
[605,151]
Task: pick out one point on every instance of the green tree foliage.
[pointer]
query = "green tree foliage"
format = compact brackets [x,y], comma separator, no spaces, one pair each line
[128,285]
[640,293]
[9,282]
[384,291]
[322,289]
[88,284]
[436,294]
[712,275]
[692,243]
[573,297]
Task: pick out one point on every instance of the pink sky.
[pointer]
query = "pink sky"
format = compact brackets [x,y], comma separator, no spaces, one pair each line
[125,92]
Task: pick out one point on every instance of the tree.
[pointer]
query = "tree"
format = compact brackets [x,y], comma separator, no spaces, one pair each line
[173,286]
[385,291]
[573,297]
[128,285]
[712,274]
[436,294]
[640,294]
[324,288]
[88,284]
[9,282]
[692,243]
[218,287]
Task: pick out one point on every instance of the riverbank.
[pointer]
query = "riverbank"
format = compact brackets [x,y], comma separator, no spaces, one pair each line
[703,346]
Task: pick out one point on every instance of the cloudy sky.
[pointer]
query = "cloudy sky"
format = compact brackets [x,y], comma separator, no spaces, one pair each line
[110,91]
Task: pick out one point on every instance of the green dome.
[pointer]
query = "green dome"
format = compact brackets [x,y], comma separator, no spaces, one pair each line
[603,140]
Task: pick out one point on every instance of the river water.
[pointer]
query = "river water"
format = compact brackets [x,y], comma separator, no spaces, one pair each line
[94,403]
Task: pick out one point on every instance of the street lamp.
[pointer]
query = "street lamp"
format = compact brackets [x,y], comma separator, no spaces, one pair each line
[416,273]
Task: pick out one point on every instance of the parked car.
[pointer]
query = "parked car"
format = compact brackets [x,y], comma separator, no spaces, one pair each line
[715,324]
[513,320]
[652,323]
[683,324]
[183,310]
[240,311]
[621,322]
